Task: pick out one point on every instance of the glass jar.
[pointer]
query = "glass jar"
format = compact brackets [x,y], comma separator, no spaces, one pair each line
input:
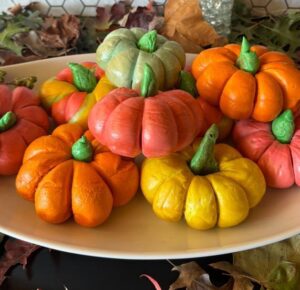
[218,14]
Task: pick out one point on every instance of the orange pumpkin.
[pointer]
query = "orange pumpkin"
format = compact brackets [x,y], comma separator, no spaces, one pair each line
[247,82]
[21,121]
[68,173]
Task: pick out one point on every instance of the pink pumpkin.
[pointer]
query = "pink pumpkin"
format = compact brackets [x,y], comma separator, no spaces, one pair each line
[277,155]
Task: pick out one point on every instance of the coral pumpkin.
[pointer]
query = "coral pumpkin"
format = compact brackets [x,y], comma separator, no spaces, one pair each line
[73,92]
[129,123]
[68,173]
[209,184]
[21,121]
[246,82]
[274,146]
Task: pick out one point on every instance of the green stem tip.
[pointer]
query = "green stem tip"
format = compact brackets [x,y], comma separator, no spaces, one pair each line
[283,127]
[83,78]
[7,121]
[204,162]
[149,83]
[148,42]
[187,83]
[82,150]
[248,60]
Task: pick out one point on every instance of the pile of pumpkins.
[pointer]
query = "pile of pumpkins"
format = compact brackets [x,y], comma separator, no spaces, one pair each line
[137,99]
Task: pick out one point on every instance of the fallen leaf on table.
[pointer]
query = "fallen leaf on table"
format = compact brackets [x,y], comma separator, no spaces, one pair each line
[60,32]
[184,23]
[8,57]
[242,281]
[276,266]
[15,252]
[34,43]
[144,17]
[192,277]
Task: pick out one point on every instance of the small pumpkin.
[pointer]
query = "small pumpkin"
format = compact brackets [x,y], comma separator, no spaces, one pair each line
[69,174]
[275,147]
[247,82]
[73,92]
[124,52]
[209,184]
[155,124]
[21,121]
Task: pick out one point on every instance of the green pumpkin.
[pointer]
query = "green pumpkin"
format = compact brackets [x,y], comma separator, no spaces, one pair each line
[124,52]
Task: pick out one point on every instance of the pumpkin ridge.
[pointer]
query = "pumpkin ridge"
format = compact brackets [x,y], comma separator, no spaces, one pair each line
[43,185]
[133,68]
[112,119]
[20,114]
[174,100]
[149,119]
[38,162]
[21,132]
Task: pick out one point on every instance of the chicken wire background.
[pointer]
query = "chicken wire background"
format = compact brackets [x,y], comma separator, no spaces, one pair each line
[87,7]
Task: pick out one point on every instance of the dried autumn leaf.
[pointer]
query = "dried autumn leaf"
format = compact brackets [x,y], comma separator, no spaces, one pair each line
[8,57]
[189,272]
[184,23]
[242,281]
[60,32]
[33,42]
[276,265]
[16,252]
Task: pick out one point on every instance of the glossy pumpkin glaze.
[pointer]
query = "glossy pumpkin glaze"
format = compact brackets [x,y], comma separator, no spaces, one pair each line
[240,94]
[279,162]
[61,186]
[130,124]
[31,122]
[66,102]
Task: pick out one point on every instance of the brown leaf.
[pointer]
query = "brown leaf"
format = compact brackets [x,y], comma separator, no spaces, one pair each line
[184,23]
[60,32]
[242,281]
[189,272]
[16,252]
[33,42]
[8,57]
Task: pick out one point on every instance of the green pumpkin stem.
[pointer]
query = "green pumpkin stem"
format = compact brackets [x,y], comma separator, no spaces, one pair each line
[83,78]
[204,162]
[149,83]
[148,42]
[248,60]
[82,150]
[7,121]
[283,127]
[187,83]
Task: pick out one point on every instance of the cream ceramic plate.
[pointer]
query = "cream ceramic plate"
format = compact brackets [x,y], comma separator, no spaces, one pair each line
[134,232]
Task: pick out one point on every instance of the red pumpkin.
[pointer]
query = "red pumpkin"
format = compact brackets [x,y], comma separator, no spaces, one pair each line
[129,123]
[275,147]
[21,121]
